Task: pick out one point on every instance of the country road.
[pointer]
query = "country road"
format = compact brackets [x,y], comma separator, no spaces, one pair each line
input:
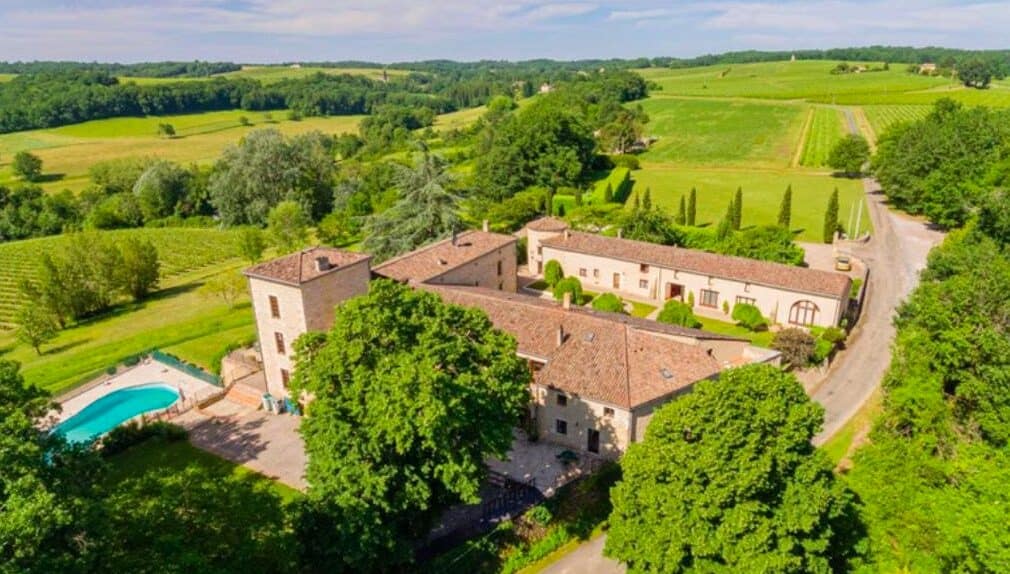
[894,255]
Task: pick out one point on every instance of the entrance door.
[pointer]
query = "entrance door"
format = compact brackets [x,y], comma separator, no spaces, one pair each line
[593,441]
[674,291]
[617,280]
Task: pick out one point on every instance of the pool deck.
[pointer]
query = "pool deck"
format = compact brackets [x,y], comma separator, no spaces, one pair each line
[144,373]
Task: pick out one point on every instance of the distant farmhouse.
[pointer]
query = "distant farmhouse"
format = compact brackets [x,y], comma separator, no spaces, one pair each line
[928,68]
[597,376]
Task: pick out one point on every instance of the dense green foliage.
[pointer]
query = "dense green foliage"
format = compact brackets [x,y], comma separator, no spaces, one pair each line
[796,345]
[608,302]
[749,316]
[553,273]
[944,165]
[143,69]
[676,313]
[849,154]
[726,480]
[933,475]
[410,395]
[570,286]
[831,218]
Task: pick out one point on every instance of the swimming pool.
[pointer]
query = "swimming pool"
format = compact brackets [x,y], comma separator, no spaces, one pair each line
[110,411]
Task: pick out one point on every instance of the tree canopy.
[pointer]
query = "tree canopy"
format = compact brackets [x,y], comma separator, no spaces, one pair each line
[849,154]
[727,480]
[410,395]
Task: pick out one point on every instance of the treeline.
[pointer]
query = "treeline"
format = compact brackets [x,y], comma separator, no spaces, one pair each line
[944,165]
[932,477]
[195,69]
[999,59]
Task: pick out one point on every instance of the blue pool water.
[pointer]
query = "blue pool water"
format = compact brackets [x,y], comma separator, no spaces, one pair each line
[115,408]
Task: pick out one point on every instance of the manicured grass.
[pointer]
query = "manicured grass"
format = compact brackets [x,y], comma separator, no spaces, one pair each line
[157,456]
[68,152]
[641,309]
[807,79]
[762,194]
[759,339]
[825,131]
[882,117]
[722,133]
[839,445]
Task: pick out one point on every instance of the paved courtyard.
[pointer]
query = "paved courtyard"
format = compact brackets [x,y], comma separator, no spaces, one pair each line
[264,442]
[538,461]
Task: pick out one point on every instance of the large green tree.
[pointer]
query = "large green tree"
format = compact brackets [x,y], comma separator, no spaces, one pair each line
[849,154]
[410,396]
[27,166]
[427,209]
[287,227]
[727,480]
[265,169]
[547,143]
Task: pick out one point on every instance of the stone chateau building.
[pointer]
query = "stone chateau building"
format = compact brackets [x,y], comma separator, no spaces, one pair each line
[598,376]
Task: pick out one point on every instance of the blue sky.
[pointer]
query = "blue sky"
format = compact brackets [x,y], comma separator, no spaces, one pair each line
[398,30]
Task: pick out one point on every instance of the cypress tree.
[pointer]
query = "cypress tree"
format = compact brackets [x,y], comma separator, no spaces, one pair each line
[578,196]
[786,208]
[738,209]
[681,213]
[692,206]
[647,199]
[831,218]
[561,210]
[636,204]
[608,193]
[726,223]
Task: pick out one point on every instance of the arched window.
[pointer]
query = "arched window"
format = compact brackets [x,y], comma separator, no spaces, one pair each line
[803,313]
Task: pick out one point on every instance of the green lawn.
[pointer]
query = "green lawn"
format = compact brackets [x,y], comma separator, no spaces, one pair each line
[759,339]
[722,133]
[824,132]
[762,194]
[170,457]
[839,445]
[641,309]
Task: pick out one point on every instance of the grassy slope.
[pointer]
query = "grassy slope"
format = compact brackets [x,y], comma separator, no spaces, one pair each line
[165,458]
[272,74]
[722,133]
[67,152]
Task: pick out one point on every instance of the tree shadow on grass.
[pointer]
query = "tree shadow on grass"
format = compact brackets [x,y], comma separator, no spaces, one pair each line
[65,347]
[50,177]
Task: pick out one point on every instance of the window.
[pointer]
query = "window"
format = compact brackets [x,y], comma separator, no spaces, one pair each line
[709,298]
[540,250]
[499,268]
[803,313]
[275,307]
[617,280]
[644,267]
[582,271]
[561,426]
[285,377]
[500,285]
[745,300]
[562,400]
[608,412]
[643,283]
[596,273]
[279,340]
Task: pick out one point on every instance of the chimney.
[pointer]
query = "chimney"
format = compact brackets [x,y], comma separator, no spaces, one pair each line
[566,300]
[561,335]
[454,238]
[620,233]
[486,226]
[323,264]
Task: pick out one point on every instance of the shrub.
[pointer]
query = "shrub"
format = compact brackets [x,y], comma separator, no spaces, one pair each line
[569,285]
[725,307]
[690,299]
[131,434]
[553,273]
[609,302]
[749,316]
[676,313]
[625,160]
[833,335]
[822,350]
[796,346]
[540,514]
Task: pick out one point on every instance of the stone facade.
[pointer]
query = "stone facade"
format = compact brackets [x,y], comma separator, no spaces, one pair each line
[493,270]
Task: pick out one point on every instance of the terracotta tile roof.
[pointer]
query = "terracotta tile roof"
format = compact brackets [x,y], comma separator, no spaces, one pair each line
[298,268]
[547,224]
[801,279]
[437,258]
[603,356]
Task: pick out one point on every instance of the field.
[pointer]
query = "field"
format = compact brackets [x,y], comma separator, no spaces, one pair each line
[68,151]
[6,77]
[762,193]
[824,131]
[881,117]
[272,74]
[721,133]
